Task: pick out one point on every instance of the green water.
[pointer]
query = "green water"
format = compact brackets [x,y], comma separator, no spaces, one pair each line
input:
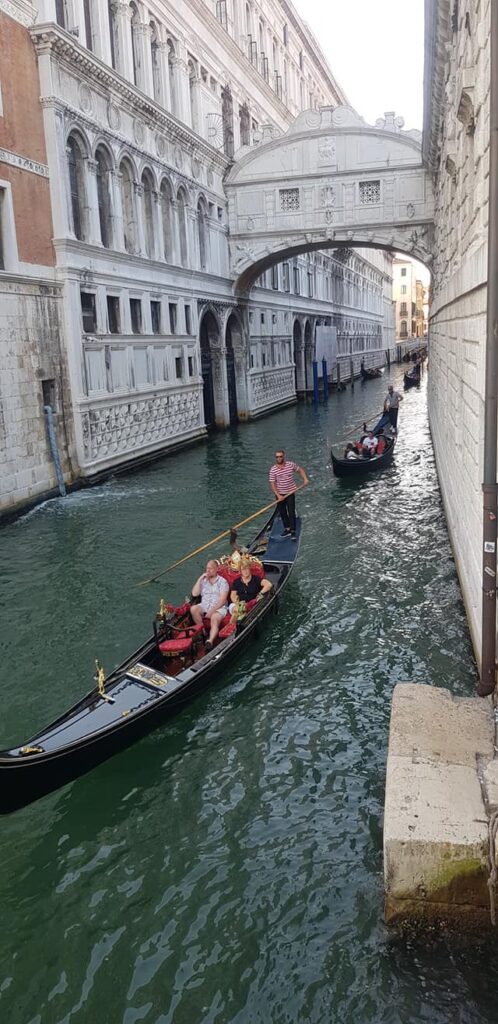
[228,868]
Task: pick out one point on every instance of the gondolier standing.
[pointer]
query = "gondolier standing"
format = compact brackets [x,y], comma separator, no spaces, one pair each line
[282,482]
[391,405]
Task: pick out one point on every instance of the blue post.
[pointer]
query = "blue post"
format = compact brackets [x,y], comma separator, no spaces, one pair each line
[325,380]
[316,397]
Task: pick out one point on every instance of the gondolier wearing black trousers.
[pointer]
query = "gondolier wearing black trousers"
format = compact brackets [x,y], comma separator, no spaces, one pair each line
[391,405]
[281,482]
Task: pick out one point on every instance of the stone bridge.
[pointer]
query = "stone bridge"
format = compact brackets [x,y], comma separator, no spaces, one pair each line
[331,181]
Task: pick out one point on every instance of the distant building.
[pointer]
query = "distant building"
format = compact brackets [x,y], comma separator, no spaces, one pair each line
[405,298]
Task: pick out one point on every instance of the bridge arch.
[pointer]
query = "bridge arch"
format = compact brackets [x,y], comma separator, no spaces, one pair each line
[331,181]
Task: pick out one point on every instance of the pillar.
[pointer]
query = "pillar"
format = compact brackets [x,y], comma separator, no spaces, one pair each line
[117,211]
[124,55]
[139,218]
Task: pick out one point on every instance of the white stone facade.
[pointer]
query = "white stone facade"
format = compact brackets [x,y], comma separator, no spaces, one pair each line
[456,136]
[140,129]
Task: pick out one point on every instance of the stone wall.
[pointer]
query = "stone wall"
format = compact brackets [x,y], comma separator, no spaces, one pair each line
[456,133]
[30,354]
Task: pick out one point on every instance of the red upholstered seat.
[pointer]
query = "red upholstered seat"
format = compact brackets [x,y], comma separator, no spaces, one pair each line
[178,646]
[228,574]
[227,630]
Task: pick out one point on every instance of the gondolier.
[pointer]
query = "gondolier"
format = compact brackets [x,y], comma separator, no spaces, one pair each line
[282,482]
[391,405]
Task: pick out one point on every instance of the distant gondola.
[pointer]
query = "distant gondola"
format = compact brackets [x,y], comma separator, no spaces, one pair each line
[411,379]
[170,668]
[360,467]
[367,374]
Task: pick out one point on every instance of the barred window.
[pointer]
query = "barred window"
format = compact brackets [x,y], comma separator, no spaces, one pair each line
[369,192]
[289,199]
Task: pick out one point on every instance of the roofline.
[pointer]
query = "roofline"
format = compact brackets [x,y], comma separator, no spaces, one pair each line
[315,51]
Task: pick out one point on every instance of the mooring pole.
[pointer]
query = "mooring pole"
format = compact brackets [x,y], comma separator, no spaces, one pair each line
[325,373]
[487,679]
[316,396]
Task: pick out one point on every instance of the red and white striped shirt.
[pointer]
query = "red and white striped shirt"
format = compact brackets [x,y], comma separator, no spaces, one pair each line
[283,476]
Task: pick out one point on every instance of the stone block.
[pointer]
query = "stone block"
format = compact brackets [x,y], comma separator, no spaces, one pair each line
[436,825]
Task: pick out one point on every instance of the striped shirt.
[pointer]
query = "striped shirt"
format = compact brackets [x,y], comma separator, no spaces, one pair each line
[283,476]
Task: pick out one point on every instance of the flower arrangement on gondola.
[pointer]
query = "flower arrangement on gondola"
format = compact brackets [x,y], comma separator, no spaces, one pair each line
[166,610]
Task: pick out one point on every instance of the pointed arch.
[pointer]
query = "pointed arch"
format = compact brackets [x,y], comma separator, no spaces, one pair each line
[77,152]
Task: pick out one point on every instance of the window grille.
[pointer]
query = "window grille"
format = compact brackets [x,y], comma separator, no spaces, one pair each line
[369,193]
[289,199]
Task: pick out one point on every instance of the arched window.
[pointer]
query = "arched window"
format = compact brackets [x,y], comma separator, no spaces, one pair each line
[182,226]
[154,53]
[135,44]
[148,216]
[104,196]
[76,169]
[202,228]
[171,76]
[166,219]
[128,203]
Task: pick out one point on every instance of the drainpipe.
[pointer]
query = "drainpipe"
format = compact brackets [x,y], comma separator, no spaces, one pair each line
[47,409]
[487,681]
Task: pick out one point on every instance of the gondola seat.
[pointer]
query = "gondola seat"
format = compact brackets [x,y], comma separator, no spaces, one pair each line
[182,643]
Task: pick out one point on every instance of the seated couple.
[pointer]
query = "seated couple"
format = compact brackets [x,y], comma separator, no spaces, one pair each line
[213,592]
[367,447]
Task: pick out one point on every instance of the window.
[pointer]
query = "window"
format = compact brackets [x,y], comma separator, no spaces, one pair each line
[297,280]
[403,331]
[128,201]
[403,289]
[274,277]
[113,29]
[301,60]
[227,121]
[403,271]
[148,216]
[87,12]
[136,315]
[245,125]
[310,284]
[88,312]
[113,317]
[182,226]
[285,35]
[188,320]
[202,232]
[191,366]
[286,273]
[166,219]
[60,13]
[178,367]
[369,192]
[48,393]
[155,316]
[262,318]
[289,199]
[76,185]
[403,309]
[172,317]
[221,13]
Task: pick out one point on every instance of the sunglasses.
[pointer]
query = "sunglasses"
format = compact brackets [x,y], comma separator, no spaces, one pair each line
[279,457]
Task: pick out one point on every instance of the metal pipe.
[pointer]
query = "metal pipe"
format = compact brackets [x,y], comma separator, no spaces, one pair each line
[487,679]
[47,409]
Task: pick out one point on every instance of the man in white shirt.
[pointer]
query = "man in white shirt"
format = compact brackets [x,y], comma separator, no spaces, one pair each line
[370,443]
[213,592]
[393,399]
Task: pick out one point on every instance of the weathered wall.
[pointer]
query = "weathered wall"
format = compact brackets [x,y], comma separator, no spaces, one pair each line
[456,142]
[30,351]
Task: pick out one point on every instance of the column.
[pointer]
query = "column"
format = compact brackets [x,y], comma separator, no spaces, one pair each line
[117,211]
[101,31]
[162,56]
[175,234]
[157,222]
[124,55]
[182,88]
[92,203]
[144,36]
[139,218]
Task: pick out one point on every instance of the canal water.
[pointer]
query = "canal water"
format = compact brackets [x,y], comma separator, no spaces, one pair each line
[228,868]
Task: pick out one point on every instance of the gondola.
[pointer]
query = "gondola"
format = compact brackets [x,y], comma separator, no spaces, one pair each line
[170,668]
[367,374]
[361,467]
[411,379]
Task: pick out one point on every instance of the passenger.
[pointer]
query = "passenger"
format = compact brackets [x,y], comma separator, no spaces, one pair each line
[248,587]
[381,443]
[370,443]
[350,452]
[213,592]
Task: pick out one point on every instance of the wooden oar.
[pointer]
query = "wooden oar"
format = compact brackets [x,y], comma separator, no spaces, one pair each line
[266,508]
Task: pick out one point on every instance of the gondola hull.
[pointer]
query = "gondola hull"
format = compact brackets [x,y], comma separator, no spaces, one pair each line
[362,467]
[370,374]
[141,698]
[410,381]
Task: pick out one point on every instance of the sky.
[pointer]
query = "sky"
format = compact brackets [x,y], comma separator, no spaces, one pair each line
[376,52]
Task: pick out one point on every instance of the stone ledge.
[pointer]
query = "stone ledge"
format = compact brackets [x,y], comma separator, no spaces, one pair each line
[436,825]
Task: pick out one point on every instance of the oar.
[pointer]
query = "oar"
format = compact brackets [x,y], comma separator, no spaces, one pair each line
[266,508]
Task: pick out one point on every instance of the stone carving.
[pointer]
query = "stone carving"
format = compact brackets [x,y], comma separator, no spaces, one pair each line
[327,152]
[196,167]
[410,210]
[345,116]
[160,145]
[115,429]
[139,131]
[312,118]
[327,196]
[250,224]
[85,96]
[209,177]
[113,116]
[390,123]
[178,158]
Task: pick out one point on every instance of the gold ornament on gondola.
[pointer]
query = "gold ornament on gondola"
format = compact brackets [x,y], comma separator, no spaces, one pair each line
[100,680]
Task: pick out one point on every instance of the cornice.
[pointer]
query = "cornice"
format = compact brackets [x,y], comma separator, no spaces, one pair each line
[437,38]
[20,10]
[52,39]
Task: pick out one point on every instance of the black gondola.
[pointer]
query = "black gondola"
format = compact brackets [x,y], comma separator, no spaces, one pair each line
[411,379]
[143,691]
[367,374]
[361,467]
